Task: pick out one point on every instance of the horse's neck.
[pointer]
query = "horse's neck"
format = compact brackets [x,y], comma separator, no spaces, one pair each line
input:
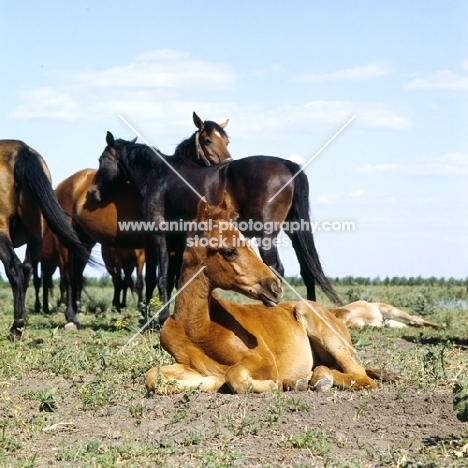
[192,309]
[140,174]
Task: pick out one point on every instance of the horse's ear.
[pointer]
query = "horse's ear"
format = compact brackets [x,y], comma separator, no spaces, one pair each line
[203,210]
[134,140]
[198,122]
[110,139]
[222,125]
[227,206]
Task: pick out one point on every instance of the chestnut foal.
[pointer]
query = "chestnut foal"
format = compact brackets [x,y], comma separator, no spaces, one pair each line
[250,348]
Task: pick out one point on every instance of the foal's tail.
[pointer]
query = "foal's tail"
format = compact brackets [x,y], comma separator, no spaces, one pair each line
[303,241]
[28,170]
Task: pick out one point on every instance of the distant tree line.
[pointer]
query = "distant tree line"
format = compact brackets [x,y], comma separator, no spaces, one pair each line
[105,281]
[398,281]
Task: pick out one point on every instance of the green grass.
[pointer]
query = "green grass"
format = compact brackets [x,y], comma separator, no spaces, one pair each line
[86,370]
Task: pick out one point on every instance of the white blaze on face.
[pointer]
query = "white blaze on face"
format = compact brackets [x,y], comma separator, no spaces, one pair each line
[217,134]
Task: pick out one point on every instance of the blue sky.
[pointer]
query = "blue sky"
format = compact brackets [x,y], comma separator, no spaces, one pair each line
[288,75]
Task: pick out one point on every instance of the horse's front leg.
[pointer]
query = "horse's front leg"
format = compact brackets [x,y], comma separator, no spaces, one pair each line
[157,263]
[163,267]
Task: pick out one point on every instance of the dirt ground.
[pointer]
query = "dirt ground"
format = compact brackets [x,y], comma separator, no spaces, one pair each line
[388,427]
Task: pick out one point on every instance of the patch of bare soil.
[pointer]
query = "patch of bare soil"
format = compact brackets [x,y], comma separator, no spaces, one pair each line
[391,426]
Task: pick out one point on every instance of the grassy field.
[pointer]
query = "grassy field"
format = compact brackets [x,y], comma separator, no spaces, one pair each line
[77,398]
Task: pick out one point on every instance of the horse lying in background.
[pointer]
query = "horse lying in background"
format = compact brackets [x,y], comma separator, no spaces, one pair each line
[375,314]
[118,260]
[26,196]
[256,347]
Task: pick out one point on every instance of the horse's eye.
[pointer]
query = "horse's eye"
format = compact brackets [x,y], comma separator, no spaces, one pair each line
[229,254]
[207,142]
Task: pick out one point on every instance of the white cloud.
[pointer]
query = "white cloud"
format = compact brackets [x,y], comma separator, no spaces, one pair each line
[164,69]
[447,164]
[297,159]
[152,78]
[153,87]
[47,103]
[356,193]
[361,72]
[442,79]
[381,168]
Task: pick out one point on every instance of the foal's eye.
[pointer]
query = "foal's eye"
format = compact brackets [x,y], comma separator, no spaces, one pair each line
[207,142]
[229,254]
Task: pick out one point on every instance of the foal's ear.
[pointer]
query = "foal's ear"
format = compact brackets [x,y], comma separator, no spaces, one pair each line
[203,210]
[198,122]
[222,125]
[134,140]
[227,206]
[110,139]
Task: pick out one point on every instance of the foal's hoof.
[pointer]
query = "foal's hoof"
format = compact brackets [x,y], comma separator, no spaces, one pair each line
[302,385]
[323,385]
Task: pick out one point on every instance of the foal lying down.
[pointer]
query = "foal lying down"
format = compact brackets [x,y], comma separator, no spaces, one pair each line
[249,348]
[376,314]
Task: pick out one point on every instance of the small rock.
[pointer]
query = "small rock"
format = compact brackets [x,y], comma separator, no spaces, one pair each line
[70,326]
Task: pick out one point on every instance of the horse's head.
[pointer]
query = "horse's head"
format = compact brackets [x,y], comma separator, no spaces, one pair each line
[208,145]
[229,260]
[109,173]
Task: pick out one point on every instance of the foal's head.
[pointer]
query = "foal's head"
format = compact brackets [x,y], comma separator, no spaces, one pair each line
[230,262]
[208,145]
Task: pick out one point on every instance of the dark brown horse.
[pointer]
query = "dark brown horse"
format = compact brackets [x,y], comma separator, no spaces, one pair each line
[26,196]
[98,221]
[118,260]
[172,194]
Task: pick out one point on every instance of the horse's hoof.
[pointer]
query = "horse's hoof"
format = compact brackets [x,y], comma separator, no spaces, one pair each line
[323,385]
[15,335]
[70,326]
[302,385]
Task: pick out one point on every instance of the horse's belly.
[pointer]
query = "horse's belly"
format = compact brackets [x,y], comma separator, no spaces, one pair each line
[295,361]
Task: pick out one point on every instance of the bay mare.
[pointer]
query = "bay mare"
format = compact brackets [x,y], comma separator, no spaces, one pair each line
[171,187]
[26,199]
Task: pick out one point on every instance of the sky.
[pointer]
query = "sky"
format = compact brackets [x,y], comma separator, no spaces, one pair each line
[289,76]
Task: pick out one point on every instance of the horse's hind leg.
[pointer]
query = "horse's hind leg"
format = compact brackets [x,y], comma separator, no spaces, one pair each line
[37,283]
[14,272]
[332,347]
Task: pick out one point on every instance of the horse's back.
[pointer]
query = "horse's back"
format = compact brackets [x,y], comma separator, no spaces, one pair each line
[254,180]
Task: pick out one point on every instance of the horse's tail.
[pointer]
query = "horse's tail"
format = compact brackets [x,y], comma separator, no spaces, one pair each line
[302,239]
[28,170]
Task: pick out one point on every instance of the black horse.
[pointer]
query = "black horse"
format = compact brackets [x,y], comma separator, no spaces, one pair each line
[170,187]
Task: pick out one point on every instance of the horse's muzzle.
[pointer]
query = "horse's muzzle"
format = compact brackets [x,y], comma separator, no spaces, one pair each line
[270,291]
[94,193]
